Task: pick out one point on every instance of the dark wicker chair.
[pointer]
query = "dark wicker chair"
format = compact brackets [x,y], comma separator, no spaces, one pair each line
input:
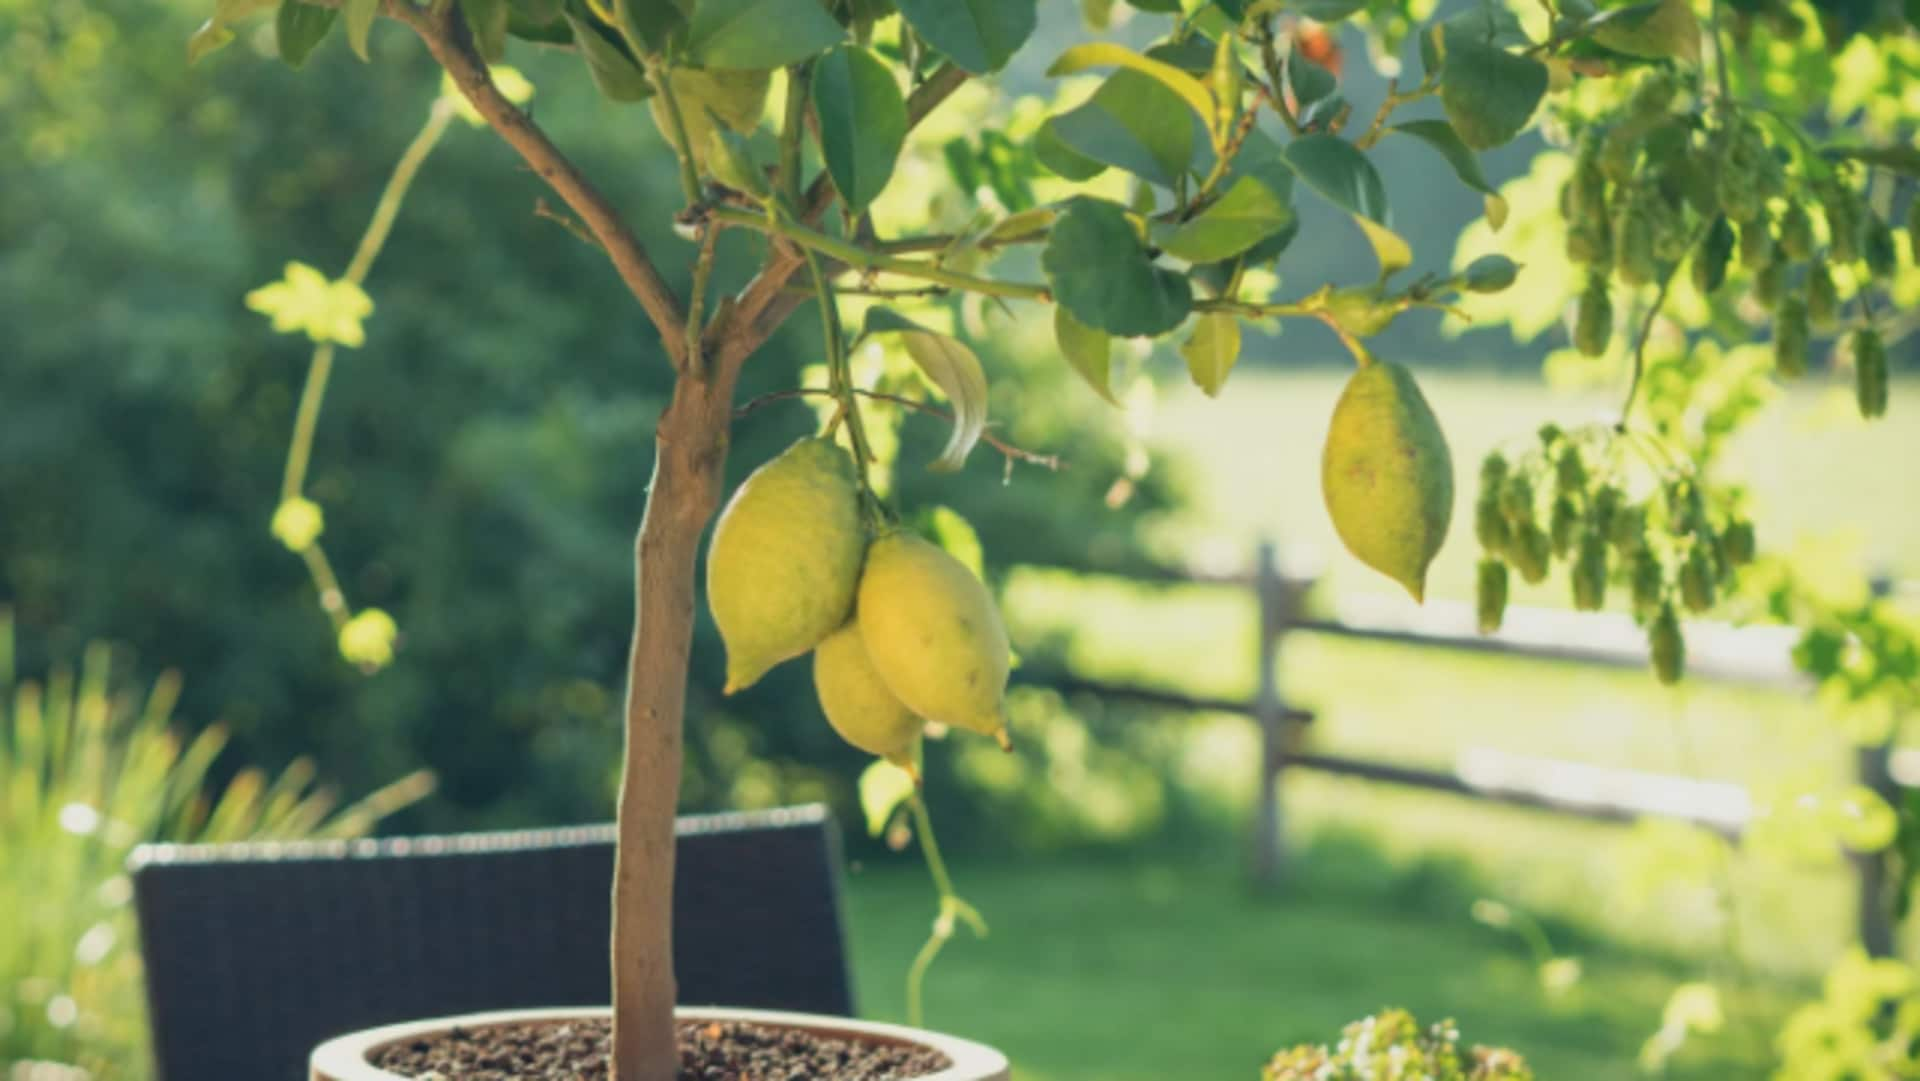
[255,953]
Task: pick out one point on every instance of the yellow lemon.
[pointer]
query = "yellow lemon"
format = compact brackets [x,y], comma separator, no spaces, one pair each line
[857,702]
[785,559]
[1387,475]
[934,635]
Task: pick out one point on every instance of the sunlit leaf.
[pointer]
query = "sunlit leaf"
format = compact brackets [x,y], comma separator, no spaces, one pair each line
[1134,123]
[1088,351]
[1247,214]
[950,366]
[1107,54]
[1212,349]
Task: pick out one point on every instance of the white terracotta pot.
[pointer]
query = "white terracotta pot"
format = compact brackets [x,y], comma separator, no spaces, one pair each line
[345,1058]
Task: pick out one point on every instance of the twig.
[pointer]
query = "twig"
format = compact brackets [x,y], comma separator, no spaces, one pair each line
[662,78]
[1646,331]
[572,225]
[447,38]
[1011,452]
[697,299]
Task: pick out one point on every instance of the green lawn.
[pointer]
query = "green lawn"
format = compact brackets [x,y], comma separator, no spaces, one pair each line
[1164,971]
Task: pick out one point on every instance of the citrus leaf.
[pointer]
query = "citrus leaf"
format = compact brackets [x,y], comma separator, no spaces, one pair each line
[1344,177]
[978,35]
[1211,350]
[1309,81]
[1489,94]
[758,34]
[614,72]
[1440,135]
[950,366]
[1247,214]
[1090,351]
[1661,30]
[1060,159]
[358,15]
[299,28]
[863,122]
[1132,122]
[1103,54]
[1100,271]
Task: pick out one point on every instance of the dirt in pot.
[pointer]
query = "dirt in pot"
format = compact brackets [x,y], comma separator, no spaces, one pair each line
[709,1051]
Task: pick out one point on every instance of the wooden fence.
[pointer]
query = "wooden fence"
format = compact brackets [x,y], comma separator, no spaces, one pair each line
[1750,655]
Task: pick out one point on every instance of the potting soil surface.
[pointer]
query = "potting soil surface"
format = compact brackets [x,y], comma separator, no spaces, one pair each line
[709,1051]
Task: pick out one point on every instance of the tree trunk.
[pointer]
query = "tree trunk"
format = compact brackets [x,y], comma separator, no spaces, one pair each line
[690,451]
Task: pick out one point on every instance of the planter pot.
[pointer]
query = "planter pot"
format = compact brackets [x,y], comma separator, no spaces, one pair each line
[345,1058]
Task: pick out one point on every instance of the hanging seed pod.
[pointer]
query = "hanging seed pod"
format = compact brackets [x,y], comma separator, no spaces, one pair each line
[1737,542]
[1493,474]
[1516,501]
[1570,472]
[1490,525]
[1619,153]
[1697,581]
[1549,434]
[1587,197]
[1590,573]
[1629,532]
[1668,648]
[1633,240]
[1756,244]
[1603,509]
[1587,245]
[1562,524]
[1490,595]
[1530,552]
[1769,283]
[1593,318]
[1870,372]
[1708,542]
[1823,300]
[1648,581]
[1796,232]
[1876,247]
[1790,337]
[1843,225]
[1710,257]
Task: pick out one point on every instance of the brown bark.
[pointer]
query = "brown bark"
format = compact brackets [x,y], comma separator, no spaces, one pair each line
[690,453]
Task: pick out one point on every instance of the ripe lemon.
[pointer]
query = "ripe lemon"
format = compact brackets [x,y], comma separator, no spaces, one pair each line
[857,702]
[934,635]
[785,559]
[1387,475]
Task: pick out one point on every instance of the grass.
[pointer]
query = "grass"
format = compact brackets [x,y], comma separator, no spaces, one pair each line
[1151,971]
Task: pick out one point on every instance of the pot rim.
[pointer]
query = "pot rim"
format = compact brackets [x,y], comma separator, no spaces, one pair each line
[345,1058]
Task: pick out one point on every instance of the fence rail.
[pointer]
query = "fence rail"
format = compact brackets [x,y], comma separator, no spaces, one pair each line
[1717,651]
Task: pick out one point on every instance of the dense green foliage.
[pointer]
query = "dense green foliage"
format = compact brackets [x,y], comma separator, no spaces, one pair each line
[481,461]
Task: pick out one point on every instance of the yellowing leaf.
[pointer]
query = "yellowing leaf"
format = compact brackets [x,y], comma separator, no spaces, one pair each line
[1102,54]
[306,302]
[950,366]
[1211,350]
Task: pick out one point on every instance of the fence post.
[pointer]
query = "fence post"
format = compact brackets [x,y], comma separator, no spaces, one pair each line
[1874,901]
[1269,838]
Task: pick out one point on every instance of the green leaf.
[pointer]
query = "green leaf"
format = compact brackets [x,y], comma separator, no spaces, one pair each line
[1211,350]
[1899,159]
[1135,123]
[1343,176]
[299,28]
[978,35]
[1489,94]
[1101,272]
[730,161]
[1090,351]
[863,122]
[614,72]
[1247,214]
[1309,81]
[489,19]
[212,36]
[952,367]
[358,15]
[759,34]
[1060,159]
[1104,54]
[1440,135]
[1661,30]
[883,788]
[651,21]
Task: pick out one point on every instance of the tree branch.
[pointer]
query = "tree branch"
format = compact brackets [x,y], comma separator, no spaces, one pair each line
[1006,449]
[447,38]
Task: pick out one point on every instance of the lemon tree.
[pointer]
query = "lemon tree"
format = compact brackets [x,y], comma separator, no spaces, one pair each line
[1153,198]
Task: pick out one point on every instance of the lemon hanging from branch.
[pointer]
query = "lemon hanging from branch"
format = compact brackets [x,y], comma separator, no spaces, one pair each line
[1387,475]
[859,704]
[785,558]
[934,634]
